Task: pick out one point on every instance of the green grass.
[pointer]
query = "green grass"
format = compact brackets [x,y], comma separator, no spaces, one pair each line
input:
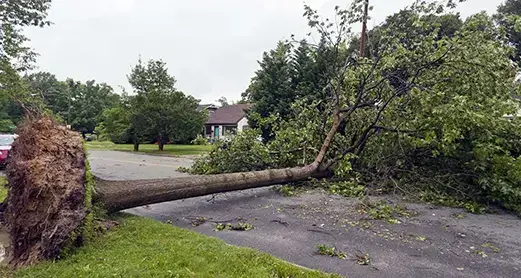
[151,148]
[3,189]
[142,247]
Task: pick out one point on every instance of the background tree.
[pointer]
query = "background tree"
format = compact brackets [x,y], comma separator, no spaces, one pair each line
[11,115]
[287,74]
[8,117]
[311,65]
[15,57]
[56,95]
[223,101]
[115,123]
[270,90]
[88,102]
[508,16]
[158,109]
[78,104]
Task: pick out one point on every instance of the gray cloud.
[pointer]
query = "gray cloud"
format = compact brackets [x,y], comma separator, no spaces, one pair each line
[212,47]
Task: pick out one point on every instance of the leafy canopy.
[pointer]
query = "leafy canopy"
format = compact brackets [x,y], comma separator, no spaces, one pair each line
[15,56]
[78,104]
[426,111]
[508,16]
[158,110]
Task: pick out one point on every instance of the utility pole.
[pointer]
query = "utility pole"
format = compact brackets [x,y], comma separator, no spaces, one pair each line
[364,29]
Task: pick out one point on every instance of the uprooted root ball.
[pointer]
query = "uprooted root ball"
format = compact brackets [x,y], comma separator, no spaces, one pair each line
[46,201]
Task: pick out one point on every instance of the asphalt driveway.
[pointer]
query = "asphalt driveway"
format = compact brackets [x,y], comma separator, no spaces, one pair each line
[432,242]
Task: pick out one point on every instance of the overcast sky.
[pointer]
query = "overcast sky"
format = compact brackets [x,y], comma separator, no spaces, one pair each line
[210,46]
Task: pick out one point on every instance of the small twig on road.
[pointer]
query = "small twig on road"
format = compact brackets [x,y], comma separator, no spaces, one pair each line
[319,231]
[212,198]
[284,223]
[214,221]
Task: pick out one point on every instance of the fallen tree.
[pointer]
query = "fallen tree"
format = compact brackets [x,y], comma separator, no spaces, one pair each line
[120,195]
[49,196]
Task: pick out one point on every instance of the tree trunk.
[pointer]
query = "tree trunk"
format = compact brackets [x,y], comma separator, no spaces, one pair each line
[136,146]
[160,143]
[120,195]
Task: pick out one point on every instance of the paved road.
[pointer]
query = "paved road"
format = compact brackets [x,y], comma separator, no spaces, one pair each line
[113,165]
[433,243]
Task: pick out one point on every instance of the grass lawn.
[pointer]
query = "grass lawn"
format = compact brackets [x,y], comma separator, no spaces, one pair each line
[141,247]
[151,148]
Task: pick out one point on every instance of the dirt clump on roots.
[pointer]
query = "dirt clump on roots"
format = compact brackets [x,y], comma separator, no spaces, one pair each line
[45,205]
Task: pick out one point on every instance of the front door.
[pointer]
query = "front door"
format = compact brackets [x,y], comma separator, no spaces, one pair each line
[216,132]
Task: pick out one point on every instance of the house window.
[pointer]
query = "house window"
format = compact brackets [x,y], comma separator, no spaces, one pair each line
[230,130]
[208,130]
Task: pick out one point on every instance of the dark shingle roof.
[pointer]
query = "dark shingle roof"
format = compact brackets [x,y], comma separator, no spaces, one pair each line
[230,114]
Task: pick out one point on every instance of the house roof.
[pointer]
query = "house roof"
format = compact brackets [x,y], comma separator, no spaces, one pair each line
[230,114]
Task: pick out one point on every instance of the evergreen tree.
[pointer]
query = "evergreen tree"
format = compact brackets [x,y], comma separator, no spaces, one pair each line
[271,89]
[508,16]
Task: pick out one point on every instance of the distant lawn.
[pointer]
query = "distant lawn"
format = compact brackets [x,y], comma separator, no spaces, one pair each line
[173,150]
[142,247]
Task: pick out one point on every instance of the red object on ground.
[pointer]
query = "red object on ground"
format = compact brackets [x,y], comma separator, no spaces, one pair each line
[6,140]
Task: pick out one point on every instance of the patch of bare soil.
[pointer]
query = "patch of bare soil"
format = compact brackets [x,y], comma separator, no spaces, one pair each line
[45,204]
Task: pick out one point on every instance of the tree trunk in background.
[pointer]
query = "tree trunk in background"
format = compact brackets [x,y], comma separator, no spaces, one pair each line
[136,146]
[120,195]
[161,143]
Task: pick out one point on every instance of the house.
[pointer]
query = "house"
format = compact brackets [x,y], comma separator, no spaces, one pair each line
[226,121]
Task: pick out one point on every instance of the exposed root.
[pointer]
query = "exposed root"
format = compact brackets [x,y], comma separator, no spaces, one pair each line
[45,206]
